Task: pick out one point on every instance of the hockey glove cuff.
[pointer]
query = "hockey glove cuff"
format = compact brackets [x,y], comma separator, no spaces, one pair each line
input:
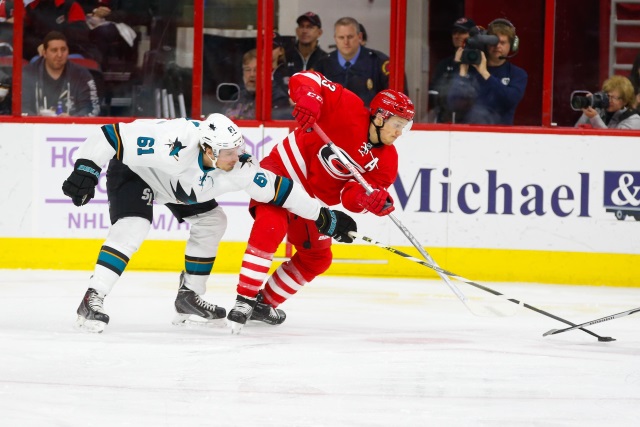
[81,184]
[378,202]
[336,224]
[308,106]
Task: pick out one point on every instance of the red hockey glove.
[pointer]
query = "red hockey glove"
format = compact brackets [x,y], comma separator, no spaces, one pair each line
[379,202]
[308,105]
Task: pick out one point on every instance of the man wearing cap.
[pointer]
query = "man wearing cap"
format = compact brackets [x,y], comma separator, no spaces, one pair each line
[362,70]
[446,70]
[306,51]
[489,92]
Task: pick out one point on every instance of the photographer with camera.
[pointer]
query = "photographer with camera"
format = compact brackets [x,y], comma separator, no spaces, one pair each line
[612,108]
[446,70]
[488,91]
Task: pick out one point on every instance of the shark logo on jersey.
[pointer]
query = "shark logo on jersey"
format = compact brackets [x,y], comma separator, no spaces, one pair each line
[182,196]
[175,148]
[203,179]
[245,158]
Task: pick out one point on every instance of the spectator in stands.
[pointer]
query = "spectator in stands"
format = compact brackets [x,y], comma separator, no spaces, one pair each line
[6,28]
[64,16]
[112,37]
[363,31]
[362,70]
[446,70]
[6,11]
[5,93]
[620,113]
[281,106]
[634,77]
[245,106]
[489,92]
[306,51]
[54,86]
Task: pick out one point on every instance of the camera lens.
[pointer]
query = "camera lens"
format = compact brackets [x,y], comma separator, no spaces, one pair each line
[470,56]
[580,102]
[600,100]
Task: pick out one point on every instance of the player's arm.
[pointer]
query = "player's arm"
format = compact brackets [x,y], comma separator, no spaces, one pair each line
[94,153]
[267,187]
[313,95]
[355,199]
[108,142]
[354,196]
[165,145]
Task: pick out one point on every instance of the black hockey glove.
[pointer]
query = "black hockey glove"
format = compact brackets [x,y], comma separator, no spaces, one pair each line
[336,224]
[81,184]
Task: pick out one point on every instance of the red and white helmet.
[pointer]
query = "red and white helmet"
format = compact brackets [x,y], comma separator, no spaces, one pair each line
[390,102]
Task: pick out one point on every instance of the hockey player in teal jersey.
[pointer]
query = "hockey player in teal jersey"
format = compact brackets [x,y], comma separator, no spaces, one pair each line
[183,164]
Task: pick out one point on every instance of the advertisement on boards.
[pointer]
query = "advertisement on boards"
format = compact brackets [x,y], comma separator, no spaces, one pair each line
[520,191]
[472,190]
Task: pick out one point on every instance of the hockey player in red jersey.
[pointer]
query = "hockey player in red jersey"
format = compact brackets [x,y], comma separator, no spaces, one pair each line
[366,137]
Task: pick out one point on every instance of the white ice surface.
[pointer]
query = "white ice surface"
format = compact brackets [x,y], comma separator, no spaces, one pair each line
[353,352]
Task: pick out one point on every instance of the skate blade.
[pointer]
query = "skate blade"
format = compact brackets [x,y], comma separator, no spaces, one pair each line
[92,326]
[236,327]
[262,324]
[193,321]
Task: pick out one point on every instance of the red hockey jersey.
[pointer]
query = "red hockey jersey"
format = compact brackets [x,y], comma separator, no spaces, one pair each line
[306,159]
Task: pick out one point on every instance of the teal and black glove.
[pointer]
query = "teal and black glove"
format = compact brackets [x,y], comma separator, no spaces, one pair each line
[336,224]
[81,184]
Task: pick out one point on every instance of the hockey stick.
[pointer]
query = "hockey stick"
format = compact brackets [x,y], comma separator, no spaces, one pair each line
[593,322]
[484,288]
[356,174]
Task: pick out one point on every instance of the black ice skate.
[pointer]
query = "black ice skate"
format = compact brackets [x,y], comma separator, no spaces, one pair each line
[193,310]
[240,313]
[91,315]
[264,312]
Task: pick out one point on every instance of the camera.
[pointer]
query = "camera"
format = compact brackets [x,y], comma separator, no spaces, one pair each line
[477,42]
[583,99]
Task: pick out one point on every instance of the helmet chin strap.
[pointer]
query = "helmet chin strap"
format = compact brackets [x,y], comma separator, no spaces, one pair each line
[213,159]
[372,120]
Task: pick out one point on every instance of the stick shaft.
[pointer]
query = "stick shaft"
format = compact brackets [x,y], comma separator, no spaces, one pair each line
[593,322]
[358,176]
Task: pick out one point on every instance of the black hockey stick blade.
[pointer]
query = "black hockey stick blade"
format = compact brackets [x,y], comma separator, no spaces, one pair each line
[593,322]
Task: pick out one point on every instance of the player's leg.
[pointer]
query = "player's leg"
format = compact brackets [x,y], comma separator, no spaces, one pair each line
[208,223]
[131,212]
[268,231]
[312,258]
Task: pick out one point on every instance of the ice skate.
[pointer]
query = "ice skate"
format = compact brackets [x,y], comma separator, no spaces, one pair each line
[194,311]
[91,315]
[264,312]
[240,313]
